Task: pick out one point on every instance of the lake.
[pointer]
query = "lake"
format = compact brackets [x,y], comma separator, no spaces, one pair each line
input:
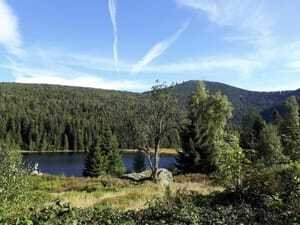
[72,164]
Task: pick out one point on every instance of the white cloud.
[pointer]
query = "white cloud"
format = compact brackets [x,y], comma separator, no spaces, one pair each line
[32,75]
[249,18]
[113,16]
[10,37]
[158,49]
[52,67]
[79,81]
[294,65]
[241,66]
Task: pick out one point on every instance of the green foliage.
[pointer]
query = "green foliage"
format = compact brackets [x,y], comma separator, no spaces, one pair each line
[277,186]
[37,117]
[252,125]
[204,131]
[139,164]
[155,118]
[115,166]
[104,156]
[13,181]
[270,148]
[96,163]
[231,162]
[290,129]
[179,209]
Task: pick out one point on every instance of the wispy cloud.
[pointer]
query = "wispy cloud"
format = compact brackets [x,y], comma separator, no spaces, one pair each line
[113,16]
[10,37]
[25,74]
[249,18]
[84,80]
[223,64]
[52,67]
[159,49]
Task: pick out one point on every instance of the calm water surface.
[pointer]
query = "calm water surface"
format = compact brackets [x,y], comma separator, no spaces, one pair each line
[72,164]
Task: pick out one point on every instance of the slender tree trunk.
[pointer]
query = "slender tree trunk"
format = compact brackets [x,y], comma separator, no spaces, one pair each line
[156,161]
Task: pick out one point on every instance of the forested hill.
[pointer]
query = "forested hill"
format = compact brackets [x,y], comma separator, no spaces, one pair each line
[242,100]
[52,117]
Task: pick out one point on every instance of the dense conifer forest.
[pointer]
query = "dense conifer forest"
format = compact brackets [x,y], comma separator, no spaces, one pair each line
[48,117]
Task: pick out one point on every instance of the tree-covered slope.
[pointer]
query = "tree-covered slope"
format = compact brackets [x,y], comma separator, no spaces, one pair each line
[47,117]
[241,99]
[52,117]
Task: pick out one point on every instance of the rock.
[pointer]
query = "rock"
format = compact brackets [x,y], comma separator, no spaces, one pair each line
[165,177]
[145,175]
[35,172]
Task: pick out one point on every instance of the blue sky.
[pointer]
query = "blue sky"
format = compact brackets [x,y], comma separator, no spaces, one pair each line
[128,44]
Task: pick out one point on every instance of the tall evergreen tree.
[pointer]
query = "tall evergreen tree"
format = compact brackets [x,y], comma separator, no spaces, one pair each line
[290,129]
[115,162]
[252,125]
[207,118]
[104,156]
[270,148]
[96,163]
[276,117]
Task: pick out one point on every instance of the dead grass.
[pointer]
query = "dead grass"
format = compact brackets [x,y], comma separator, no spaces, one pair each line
[118,193]
[163,151]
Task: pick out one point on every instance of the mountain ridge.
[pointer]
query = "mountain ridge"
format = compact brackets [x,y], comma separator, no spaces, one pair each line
[53,117]
[243,100]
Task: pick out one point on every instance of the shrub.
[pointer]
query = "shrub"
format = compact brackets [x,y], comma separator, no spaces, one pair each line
[13,182]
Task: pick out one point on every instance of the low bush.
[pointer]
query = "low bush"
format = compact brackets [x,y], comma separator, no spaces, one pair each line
[276,186]
[225,208]
[269,196]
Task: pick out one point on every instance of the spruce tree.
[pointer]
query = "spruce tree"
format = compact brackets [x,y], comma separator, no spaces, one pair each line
[252,125]
[104,156]
[270,148]
[276,117]
[115,162]
[204,131]
[96,163]
[290,129]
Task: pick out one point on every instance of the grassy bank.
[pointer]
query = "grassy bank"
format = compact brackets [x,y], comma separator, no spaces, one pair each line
[114,192]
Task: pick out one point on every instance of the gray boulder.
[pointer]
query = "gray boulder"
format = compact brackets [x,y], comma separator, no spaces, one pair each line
[145,175]
[165,177]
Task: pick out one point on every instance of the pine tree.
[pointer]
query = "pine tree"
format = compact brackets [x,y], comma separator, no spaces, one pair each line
[290,129]
[139,164]
[270,148]
[252,125]
[104,156]
[115,166]
[96,163]
[207,118]
[276,117]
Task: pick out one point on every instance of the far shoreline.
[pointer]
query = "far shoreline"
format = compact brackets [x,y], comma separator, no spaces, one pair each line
[163,151]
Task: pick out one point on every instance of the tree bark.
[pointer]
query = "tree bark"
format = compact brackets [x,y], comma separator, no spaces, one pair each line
[156,163]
